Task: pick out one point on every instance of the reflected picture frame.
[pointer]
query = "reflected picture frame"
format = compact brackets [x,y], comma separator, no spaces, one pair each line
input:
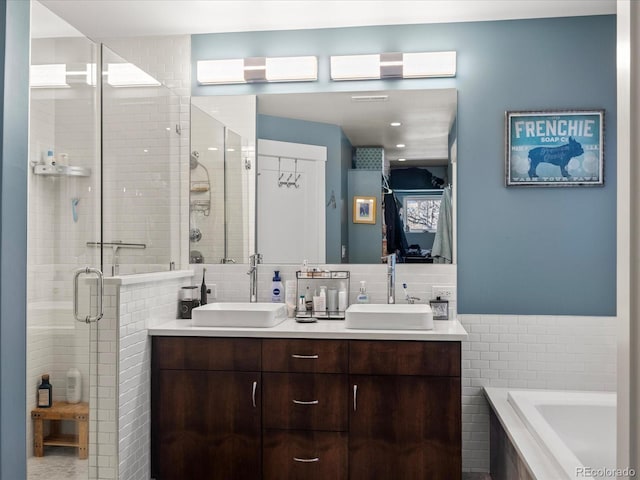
[364,210]
[554,148]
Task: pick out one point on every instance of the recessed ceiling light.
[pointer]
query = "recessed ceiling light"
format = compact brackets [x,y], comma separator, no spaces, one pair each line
[402,159]
[401,145]
[212,149]
[231,149]
[395,124]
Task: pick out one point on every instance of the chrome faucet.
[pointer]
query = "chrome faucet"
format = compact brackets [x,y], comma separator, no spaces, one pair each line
[410,299]
[391,277]
[254,260]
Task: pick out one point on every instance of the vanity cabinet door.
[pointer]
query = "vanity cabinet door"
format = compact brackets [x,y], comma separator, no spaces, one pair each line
[405,427]
[207,425]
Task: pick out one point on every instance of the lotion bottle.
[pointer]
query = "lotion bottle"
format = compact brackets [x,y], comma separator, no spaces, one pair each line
[74,385]
[276,288]
[363,296]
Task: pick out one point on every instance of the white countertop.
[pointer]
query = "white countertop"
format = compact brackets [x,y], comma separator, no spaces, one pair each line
[444,330]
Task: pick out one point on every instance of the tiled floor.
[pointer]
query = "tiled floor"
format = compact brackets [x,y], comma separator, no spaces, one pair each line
[58,463]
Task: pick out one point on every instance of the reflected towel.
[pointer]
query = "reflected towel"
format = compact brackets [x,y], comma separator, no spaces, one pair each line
[442,249]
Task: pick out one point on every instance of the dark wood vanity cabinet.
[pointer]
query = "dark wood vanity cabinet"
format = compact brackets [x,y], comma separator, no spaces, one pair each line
[305,409]
[406,411]
[206,409]
[340,409]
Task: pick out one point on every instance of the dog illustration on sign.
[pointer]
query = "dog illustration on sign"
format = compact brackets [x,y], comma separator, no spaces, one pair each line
[559,156]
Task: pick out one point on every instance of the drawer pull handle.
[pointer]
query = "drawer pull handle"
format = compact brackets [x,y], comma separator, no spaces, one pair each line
[306,460]
[305,357]
[253,393]
[311,402]
[355,398]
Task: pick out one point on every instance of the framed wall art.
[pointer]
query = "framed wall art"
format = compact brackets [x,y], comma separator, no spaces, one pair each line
[554,148]
[364,210]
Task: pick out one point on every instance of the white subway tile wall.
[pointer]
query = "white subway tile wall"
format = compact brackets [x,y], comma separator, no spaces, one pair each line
[232,281]
[140,306]
[103,422]
[512,351]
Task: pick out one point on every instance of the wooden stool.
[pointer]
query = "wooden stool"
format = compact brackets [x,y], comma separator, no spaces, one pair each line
[78,413]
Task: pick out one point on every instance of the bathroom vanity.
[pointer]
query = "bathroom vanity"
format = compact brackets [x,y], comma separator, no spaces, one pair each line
[308,401]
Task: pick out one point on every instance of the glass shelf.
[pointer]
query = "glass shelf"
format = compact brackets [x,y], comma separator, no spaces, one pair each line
[61,171]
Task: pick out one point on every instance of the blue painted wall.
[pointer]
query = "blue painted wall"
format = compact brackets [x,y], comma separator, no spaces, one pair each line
[14,89]
[365,240]
[338,146]
[545,251]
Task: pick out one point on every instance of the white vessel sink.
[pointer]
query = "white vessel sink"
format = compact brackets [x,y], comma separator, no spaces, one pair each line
[389,316]
[239,314]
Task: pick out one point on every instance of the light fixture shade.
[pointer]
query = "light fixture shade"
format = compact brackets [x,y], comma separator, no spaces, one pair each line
[429,64]
[48,76]
[210,72]
[128,75]
[393,65]
[290,69]
[355,67]
[257,69]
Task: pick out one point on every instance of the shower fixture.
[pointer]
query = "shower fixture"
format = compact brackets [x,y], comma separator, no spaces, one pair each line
[200,198]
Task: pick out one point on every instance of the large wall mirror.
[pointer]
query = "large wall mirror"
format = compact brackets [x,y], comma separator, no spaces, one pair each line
[341,177]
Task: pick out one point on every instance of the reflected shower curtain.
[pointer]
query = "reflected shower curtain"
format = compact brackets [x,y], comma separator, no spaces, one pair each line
[442,251]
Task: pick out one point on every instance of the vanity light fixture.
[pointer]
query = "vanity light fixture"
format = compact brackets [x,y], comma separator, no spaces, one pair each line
[393,65]
[257,69]
[48,76]
[128,75]
[402,159]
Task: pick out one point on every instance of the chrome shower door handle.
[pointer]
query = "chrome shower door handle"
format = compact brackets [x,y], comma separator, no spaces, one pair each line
[100,294]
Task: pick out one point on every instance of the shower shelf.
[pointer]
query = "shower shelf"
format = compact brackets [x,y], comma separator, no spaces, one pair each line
[61,171]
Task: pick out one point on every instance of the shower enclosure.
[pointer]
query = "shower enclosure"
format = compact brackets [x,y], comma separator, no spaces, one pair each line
[103,199]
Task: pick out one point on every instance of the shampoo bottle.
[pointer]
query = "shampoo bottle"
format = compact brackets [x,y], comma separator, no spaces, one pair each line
[45,393]
[74,385]
[276,288]
[363,296]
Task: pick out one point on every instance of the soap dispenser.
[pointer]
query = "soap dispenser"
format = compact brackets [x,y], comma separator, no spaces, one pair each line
[276,288]
[363,296]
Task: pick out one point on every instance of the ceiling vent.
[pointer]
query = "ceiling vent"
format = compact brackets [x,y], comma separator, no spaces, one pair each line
[370,98]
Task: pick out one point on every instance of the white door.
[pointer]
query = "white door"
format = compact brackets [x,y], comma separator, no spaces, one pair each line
[291,202]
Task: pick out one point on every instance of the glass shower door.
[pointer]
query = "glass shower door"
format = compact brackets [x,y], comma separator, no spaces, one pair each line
[63,219]
[141,142]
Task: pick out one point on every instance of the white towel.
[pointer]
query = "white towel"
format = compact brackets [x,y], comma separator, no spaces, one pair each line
[442,250]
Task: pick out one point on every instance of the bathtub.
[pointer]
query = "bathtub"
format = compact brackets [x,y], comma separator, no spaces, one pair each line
[576,429]
[573,432]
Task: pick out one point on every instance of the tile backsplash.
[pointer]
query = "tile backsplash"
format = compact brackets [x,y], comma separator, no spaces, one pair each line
[232,281]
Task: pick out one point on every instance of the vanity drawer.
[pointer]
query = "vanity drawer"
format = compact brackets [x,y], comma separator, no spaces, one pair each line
[299,401]
[404,358]
[199,353]
[304,455]
[305,356]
